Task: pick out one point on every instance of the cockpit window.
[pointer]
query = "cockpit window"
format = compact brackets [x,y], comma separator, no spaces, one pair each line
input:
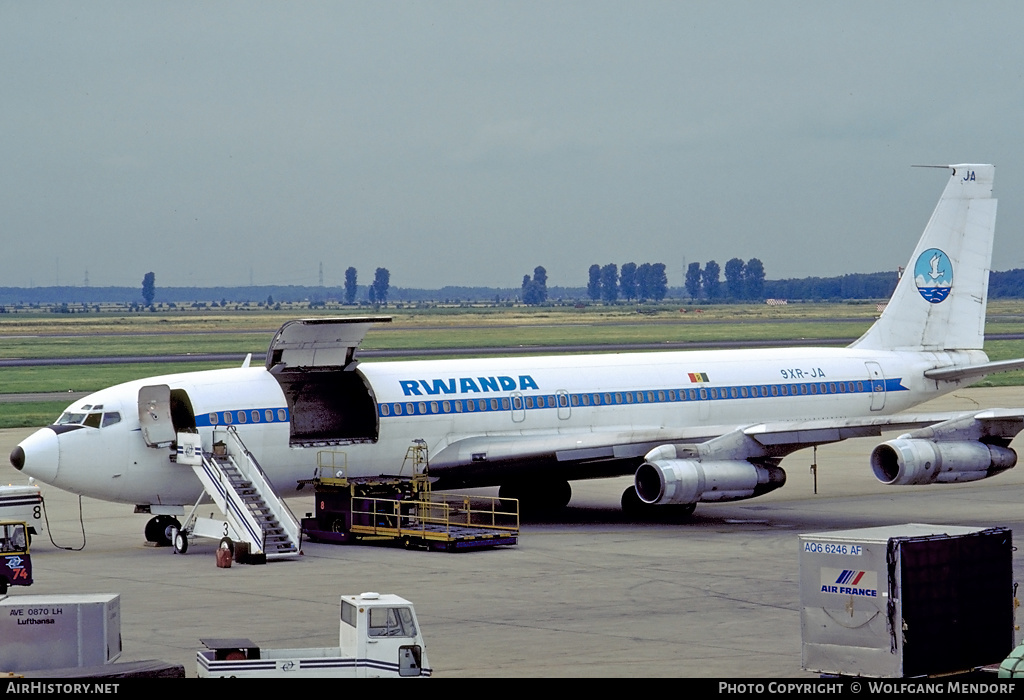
[90,420]
[69,418]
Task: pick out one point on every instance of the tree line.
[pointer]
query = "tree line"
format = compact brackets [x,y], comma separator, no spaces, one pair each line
[644,282]
[743,280]
[1007,284]
[377,292]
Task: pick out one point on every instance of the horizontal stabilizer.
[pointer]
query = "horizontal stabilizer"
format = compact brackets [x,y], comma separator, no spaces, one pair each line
[969,371]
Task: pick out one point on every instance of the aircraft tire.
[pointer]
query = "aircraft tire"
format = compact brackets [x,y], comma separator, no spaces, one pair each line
[227,544]
[631,503]
[158,529]
[536,499]
[3,585]
[633,507]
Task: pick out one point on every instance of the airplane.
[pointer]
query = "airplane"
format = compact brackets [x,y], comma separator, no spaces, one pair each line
[693,427]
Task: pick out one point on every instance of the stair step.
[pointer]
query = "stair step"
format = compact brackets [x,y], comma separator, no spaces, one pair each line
[276,540]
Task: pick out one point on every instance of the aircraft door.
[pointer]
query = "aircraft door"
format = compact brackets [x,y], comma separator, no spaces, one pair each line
[155,415]
[877,379]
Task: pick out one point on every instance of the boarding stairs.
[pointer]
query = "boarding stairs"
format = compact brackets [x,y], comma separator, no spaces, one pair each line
[253,512]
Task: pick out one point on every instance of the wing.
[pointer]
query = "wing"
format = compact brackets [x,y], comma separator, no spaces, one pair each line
[492,459]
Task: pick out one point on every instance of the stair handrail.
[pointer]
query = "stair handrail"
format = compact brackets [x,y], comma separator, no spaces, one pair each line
[253,462]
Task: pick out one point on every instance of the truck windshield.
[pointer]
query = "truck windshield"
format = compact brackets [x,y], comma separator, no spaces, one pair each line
[391,622]
[12,537]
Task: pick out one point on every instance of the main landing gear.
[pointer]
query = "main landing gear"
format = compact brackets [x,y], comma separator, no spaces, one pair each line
[633,507]
[538,497]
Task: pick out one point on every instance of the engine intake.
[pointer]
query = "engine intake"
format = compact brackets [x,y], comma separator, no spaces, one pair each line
[668,481]
[911,461]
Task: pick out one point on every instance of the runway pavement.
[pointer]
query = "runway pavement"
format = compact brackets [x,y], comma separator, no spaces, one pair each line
[585,594]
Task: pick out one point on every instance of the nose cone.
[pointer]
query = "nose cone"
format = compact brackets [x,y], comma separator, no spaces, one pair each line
[38,455]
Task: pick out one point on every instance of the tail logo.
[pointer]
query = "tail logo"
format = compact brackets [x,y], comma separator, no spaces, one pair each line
[933,273]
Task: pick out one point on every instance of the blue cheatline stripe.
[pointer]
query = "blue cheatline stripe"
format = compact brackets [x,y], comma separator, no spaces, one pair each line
[697,392]
[243,416]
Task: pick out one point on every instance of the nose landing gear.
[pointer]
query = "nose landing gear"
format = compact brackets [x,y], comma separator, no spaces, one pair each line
[159,530]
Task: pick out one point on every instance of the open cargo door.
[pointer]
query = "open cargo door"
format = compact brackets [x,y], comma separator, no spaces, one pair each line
[330,401]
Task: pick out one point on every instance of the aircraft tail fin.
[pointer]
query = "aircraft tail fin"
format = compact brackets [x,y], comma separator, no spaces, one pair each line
[940,301]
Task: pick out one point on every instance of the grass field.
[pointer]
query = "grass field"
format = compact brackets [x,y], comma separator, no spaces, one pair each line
[25,335]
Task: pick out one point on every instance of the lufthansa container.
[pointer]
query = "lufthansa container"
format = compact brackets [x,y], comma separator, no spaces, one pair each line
[905,600]
[59,631]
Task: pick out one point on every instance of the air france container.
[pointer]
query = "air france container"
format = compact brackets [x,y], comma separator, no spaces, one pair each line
[905,600]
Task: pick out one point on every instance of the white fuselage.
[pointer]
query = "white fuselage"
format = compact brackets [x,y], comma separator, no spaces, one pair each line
[619,398]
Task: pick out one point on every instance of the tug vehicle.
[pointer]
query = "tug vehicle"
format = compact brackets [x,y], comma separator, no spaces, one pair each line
[380,637]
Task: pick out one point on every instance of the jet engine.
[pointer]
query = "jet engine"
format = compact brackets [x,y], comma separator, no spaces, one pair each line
[679,481]
[910,461]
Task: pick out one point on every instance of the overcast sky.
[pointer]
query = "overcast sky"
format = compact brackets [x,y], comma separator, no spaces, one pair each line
[465,143]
